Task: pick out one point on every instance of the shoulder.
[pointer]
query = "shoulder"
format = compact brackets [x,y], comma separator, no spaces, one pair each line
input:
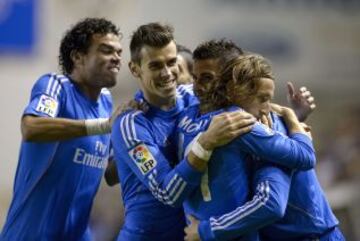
[50,84]
[186,94]
[52,78]
[106,96]
[233,108]
[185,89]
[131,118]
[105,92]
[129,126]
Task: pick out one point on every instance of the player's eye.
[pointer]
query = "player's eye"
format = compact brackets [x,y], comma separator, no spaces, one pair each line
[172,62]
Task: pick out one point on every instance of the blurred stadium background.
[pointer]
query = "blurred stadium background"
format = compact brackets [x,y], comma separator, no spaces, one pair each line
[315,43]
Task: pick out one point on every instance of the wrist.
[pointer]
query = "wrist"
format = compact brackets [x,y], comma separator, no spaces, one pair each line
[205,142]
[97,126]
[199,149]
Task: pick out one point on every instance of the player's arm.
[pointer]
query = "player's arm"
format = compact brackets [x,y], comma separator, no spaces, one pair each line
[223,128]
[41,120]
[295,151]
[43,129]
[271,190]
[111,175]
[34,128]
[135,143]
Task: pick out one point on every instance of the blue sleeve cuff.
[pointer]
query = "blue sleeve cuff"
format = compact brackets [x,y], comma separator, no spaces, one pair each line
[205,231]
[30,111]
[188,173]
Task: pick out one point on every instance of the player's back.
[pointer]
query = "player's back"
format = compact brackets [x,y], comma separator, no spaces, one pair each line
[56,181]
[308,213]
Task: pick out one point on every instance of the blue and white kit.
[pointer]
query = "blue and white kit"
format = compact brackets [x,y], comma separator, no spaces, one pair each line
[221,201]
[56,182]
[153,181]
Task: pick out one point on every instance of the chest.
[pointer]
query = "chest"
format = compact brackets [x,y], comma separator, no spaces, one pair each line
[76,106]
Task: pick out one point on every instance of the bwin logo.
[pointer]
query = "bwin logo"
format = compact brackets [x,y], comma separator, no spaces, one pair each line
[188,126]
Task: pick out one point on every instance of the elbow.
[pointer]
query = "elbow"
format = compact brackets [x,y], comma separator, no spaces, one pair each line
[111,176]
[276,210]
[312,161]
[309,163]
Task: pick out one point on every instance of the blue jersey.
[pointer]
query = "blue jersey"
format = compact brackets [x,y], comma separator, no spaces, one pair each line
[152,180]
[225,186]
[308,214]
[56,182]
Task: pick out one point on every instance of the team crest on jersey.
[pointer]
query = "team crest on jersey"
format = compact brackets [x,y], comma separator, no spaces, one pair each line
[47,105]
[143,158]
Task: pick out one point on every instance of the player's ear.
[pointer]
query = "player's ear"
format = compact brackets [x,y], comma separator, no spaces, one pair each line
[77,58]
[134,69]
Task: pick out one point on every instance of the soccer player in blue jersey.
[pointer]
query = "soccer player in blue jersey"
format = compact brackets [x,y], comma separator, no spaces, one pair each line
[151,177]
[212,199]
[308,216]
[65,142]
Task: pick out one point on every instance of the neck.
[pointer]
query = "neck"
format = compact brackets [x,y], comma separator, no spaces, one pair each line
[160,102]
[89,91]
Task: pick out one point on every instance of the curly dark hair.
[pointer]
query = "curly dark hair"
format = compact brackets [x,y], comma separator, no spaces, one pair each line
[151,34]
[79,37]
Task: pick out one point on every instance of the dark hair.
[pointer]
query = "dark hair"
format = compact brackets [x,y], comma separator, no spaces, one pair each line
[217,49]
[187,55]
[79,38]
[151,34]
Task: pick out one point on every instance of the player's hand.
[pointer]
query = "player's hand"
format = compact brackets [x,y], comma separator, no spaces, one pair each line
[129,105]
[301,101]
[225,127]
[266,120]
[191,231]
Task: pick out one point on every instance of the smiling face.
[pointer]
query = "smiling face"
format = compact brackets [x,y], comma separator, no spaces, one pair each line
[158,72]
[259,103]
[101,64]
